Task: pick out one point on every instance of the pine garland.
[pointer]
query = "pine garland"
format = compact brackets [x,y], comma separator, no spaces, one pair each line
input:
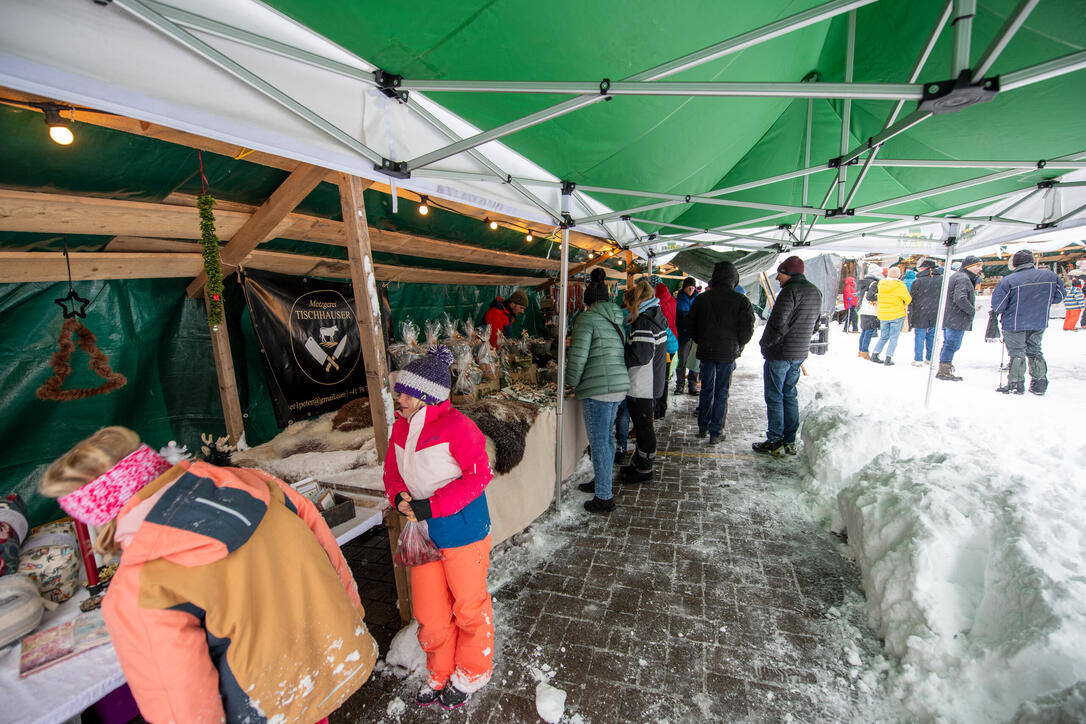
[212,261]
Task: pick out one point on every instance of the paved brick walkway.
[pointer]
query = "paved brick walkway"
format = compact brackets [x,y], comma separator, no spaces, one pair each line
[696,600]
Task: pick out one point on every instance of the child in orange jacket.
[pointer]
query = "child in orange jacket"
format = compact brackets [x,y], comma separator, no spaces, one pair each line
[232,601]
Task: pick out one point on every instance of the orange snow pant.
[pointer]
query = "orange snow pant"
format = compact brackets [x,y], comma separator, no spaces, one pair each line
[455,615]
[1070,318]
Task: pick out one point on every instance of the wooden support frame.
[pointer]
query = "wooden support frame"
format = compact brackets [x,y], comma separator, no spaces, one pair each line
[368,308]
[228,383]
[259,227]
[394,524]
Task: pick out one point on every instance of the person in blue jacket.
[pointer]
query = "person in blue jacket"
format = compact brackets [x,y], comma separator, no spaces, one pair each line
[1021,299]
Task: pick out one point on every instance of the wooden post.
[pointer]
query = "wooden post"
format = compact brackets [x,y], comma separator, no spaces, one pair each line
[394,523]
[629,269]
[368,308]
[228,384]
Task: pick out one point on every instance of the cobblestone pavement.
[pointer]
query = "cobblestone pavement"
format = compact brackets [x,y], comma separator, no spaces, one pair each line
[697,599]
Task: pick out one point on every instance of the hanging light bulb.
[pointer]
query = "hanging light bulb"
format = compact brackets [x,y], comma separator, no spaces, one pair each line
[424,206]
[493,224]
[59,129]
[528,237]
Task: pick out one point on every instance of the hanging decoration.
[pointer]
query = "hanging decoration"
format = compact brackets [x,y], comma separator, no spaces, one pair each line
[52,389]
[212,260]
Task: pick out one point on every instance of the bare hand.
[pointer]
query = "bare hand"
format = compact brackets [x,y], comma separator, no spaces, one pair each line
[404,508]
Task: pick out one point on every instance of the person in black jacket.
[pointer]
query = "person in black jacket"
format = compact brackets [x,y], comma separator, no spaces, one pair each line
[958,317]
[868,291]
[721,322]
[785,343]
[646,363]
[924,310]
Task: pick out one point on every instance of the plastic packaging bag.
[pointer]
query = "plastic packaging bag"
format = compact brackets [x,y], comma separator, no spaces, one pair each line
[433,333]
[408,349]
[487,357]
[415,546]
[469,373]
[451,327]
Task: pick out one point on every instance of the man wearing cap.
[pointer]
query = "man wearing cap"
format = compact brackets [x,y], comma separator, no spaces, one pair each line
[1021,299]
[785,343]
[683,301]
[958,316]
[924,310]
[502,312]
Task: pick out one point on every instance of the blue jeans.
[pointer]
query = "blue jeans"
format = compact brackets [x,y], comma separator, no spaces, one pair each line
[923,339]
[888,334]
[716,378]
[782,409]
[599,418]
[952,342]
[866,335]
[622,427]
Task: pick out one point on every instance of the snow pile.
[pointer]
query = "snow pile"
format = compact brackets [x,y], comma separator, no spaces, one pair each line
[966,522]
[550,702]
[405,656]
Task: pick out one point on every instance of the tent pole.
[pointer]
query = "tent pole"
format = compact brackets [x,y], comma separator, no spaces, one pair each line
[1043,71]
[733,45]
[368,309]
[964,10]
[950,244]
[846,117]
[563,305]
[1010,27]
[807,159]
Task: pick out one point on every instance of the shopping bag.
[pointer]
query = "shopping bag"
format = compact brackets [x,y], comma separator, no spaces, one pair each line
[415,546]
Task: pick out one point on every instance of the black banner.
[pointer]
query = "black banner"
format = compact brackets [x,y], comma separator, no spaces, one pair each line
[308,336]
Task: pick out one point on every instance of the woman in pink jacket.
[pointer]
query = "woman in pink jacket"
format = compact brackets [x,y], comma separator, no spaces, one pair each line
[436,471]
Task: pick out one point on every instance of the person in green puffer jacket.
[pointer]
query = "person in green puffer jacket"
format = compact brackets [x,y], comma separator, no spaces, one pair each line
[596,367]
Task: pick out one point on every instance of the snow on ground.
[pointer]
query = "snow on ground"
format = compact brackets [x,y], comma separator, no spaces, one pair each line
[966,520]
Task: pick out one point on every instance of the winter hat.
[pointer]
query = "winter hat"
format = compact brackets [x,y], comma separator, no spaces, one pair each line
[654,280]
[1076,282]
[894,273]
[689,282]
[519,297]
[927,264]
[970,261]
[596,291]
[874,270]
[791,266]
[427,378]
[1022,256]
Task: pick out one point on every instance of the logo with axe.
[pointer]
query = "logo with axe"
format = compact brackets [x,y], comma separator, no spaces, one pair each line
[324,336]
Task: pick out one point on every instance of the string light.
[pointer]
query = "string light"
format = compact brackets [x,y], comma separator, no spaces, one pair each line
[424,206]
[493,224]
[59,129]
[528,237]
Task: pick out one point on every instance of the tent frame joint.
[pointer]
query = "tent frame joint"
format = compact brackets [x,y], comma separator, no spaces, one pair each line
[394,169]
[1047,183]
[389,84]
[836,161]
[1045,225]
[951,96]
[830,213]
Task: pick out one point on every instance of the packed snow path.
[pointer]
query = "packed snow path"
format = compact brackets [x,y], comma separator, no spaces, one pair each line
[698,599]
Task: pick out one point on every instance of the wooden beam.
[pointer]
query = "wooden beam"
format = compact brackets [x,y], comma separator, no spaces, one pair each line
[228,384]
[231,150]
[64,214]
[629,269]
[163,258]
[371,336]
[49,266]
[258,228]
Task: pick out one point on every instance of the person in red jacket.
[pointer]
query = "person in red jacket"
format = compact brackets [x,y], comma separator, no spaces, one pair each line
[436,471]
[852,301]
[502,312]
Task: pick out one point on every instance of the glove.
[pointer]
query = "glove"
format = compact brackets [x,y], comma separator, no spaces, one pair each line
[992,334]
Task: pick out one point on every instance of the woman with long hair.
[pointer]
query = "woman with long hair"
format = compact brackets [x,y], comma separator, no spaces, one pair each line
[232,601]
[646,363]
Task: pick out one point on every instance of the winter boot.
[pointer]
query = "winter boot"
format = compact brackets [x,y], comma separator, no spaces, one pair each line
[1038,368]
[790,448]
[702,432]
[451,697]
[1013,388]
[888,361]
[946,372]
[865,355]
[769,447]
[875,358]
[597,505]
[589,487]
[716,439]
[638,471]
[426,695]
[917,363]
[692,389]
[620,457]
[1038,387]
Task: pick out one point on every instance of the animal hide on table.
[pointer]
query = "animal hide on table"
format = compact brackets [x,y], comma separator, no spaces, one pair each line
[506,423]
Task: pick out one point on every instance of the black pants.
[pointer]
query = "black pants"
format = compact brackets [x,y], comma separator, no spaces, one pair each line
[641,410]
[851,320]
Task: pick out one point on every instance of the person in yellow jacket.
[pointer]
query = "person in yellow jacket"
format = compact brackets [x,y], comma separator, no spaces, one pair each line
[232,601]
[894,300]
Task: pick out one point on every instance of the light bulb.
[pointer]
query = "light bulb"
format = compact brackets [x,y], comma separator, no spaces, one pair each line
[493,224]
[528,237]
[61,134]
[424,209]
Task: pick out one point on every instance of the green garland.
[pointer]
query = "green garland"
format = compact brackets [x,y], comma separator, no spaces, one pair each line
[212,261]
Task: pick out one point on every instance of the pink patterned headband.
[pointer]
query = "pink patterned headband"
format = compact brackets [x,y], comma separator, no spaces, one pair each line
[101,499]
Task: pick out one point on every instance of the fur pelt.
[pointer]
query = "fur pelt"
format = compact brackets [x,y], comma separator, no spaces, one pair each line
[355,415]
[506,423]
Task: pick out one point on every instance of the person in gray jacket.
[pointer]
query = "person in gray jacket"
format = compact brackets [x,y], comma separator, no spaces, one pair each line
[646,362]
[1021,299]
[596,368]
[961,299]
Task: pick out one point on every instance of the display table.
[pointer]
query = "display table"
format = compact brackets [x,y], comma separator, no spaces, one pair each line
[63,690]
